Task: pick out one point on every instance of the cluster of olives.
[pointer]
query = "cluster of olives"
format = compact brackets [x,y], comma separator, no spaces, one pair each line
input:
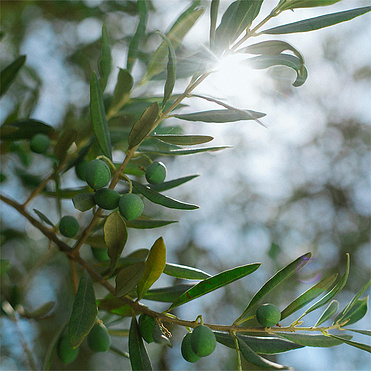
[39,143]
[98,341]
[200,343]
[268,315]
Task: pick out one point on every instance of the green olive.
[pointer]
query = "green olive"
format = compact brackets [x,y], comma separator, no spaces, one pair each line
[65,352]
[268,315]
[98,338]
[100,253]
[107,199]
[97,174]
[203,341]
[69,226]
[80,169]
[39,143]
[146,327]
[187,352]
[131,206]
[156,173]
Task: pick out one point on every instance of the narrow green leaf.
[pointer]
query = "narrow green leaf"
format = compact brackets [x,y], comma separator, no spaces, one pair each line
[186,13]
[105,60]
[155,265]
[184,152]
[185,272]
[308,296]
[275,280]
[257,360]
[167,294]
[215,282]
[114,305]
[65,141]
[115,236]
[144,125]
[4,266]
[328,313]
[9,73]
[84,312]
[51,348]
[139,359]
[314,340]
[358,311]
[43,217]
[148,224]
[221,116]
[128,278]
[183,140]
[363,332]
[328,297]
[83,201]
[365,347]
[172,183]
[41,311]
[316,23]
[294,4]
[161,199]
[66,193]
[24,129]
[98,117]
[214,7]
[121,93]
[259,344]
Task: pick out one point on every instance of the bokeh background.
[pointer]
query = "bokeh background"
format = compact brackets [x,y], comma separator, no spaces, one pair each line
[302,183]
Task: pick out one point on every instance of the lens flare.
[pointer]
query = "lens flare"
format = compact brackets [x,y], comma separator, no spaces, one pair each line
[308,271]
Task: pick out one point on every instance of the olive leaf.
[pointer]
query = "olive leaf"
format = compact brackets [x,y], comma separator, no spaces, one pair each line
[9,73]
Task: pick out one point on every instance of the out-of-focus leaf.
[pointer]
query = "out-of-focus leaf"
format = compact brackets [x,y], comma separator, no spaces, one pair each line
[115,236]
[176,35]
[84,312]
[308,296]
[105,60]
[128,278]
[215,282]
[65,141]
[266,61]
[186,13]
[51,348]
[122,89]
[98,117]
[316,23]
[257,360]
[293,4]
[172,183]
[43,217]
[185,152]
[159,336]
[357,312]
[144,125]
[365,347]
[24,129]
[155,265]
[274,281]
[259,344]
[221,116]
[66,193]
[185,272]
[328,313]
[183,140]
[161,199]
[9,73]
[41,311]
[83,201]
[167,294]
[139,359]
[237,18]
[4,266]
[214,7]
[314,340]
[148,224]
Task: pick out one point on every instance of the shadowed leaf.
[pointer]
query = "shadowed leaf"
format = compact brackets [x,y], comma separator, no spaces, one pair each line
[314,340]
[221,116]
[9,73]
[328,313]
[167,294]
[183,140]
[128,278]
[148,224]
[122,89]
[83,201]
[185,152]
[43,217]
[24,129]
[105,60]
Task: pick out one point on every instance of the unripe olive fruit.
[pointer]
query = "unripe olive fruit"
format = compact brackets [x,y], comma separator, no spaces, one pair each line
[98,338]
[39,143]
[131,206]
[268,315]
[97,174]
[107,199]
[69,226]
[156,173]
[146,326]
[187,352]
[203,341]
[80,169]
[65,352]
[100,253]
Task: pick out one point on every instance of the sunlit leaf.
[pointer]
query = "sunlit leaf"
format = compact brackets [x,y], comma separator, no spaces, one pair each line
[122,89]
[185,272]
[215,282]
[144,125]
[24,129]
[167,294]
[161,199]
[128,278]
[317,22]
[139,359]
[214,7]
[183,140]
[43,217]
[83,201]
[105,60]
[98,117]
[328,313]
[365,347]
[274,281]
[185,152]
[309,340]
[155,265]
[9,73]
[356,313]
[308,296]
[259,344]
[257,360]
[148,224]
[84,312]
[294,4]
[65,141]
[172,183]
